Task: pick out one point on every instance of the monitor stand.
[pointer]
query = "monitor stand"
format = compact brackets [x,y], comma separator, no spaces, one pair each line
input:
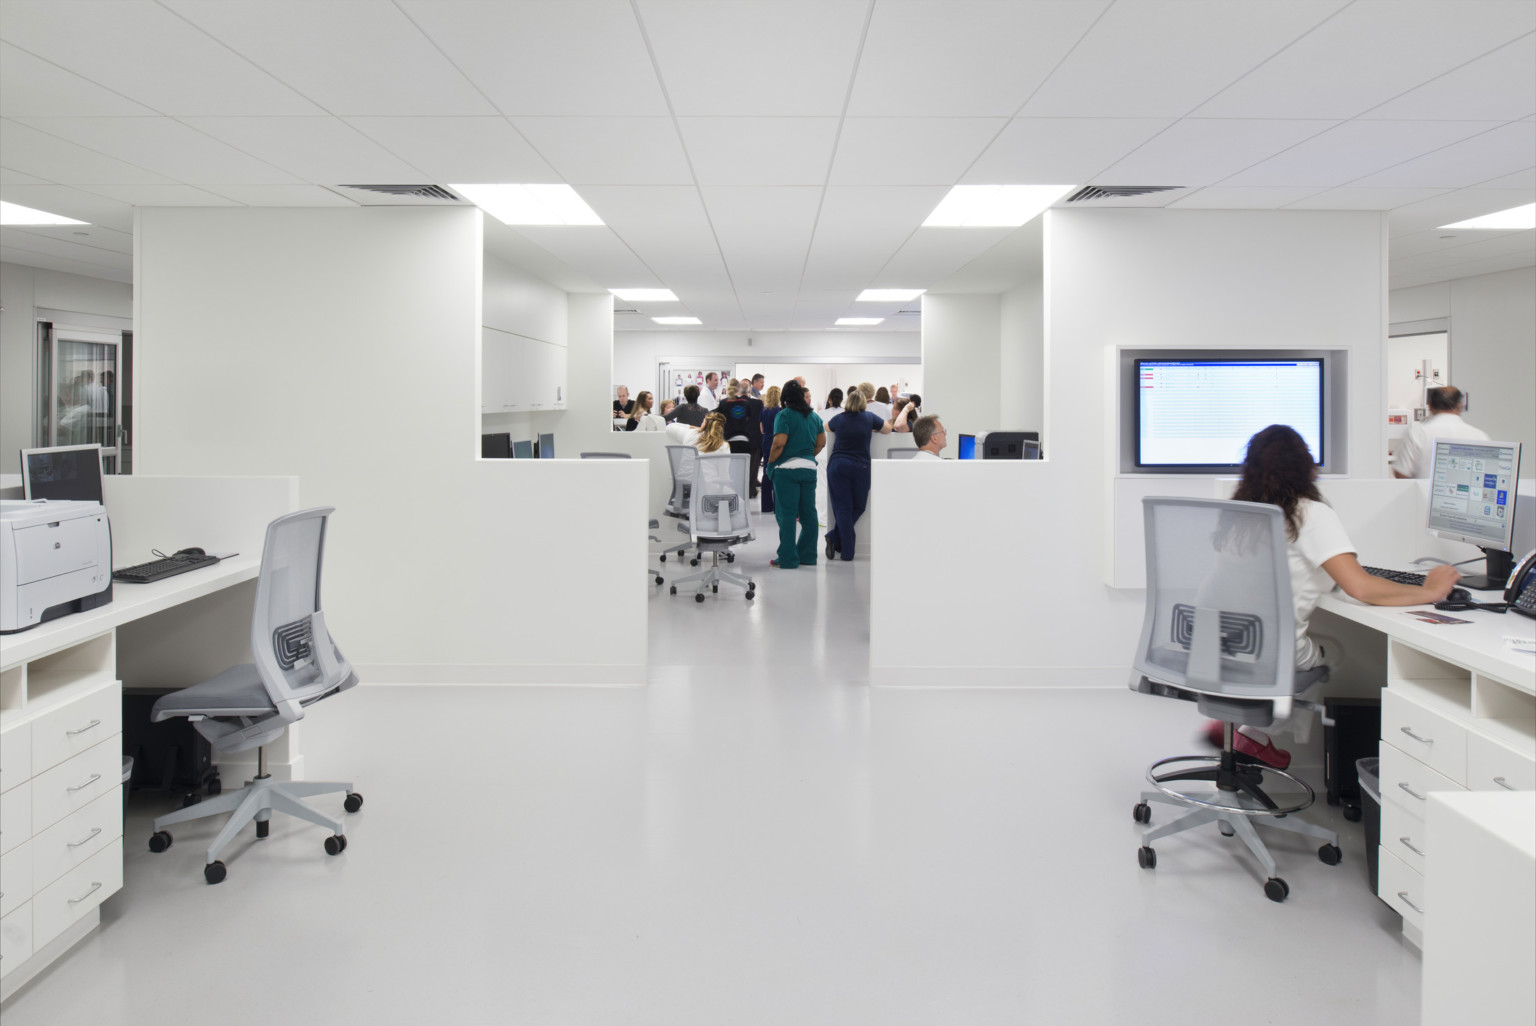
[1499,565]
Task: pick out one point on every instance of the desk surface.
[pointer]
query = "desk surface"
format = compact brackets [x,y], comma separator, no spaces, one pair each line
[129,602]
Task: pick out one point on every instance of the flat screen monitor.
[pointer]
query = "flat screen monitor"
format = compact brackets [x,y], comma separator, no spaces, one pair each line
[62,472]
[522,449]
[1200,414]
[1472,499]
[547,447]
[496,447]
[967,447]
[1031,450]
[1006,445]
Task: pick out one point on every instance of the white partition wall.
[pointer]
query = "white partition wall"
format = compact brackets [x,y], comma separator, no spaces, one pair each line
[340,346]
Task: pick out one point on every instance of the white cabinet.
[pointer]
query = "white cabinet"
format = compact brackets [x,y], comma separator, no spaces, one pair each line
[495,371]
[519,373]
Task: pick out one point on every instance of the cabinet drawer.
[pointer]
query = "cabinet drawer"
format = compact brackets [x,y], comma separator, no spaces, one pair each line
[72,728]
[15,878]
[15,939]
[15,756]
[76,838]
[1408,782]
[77,783]
[1492,766]
[15,816]
[1401,888]
[1435,740]
[1403,834]
[73,895]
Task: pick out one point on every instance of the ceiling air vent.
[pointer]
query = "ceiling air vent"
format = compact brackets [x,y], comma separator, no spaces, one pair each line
[414,191]
[1094,192]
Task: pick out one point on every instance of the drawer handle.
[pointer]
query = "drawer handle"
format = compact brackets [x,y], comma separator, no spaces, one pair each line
[82,730]
[1410,904]
[1411,791]
[1409,845]
[1426,740]
[93,833]
[94,777]
[1506,786]
[97,886]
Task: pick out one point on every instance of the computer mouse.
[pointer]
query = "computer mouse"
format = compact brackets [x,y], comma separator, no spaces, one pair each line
[1458,595]
[195,551]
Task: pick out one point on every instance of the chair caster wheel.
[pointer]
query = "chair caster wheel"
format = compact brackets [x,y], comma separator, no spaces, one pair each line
[674,589]
[1146,857]
[693,562]
[353,803]
[1225,829]
[660,579]
[751,594]
[214,788]
[1329,855]
[730,557]
[189,800]
[1142,813]
[1353,813]
[336,844]
[1276,889]
[699,597]
[214,872]
[159,841]
[663,557]
[263,828]
[714,589]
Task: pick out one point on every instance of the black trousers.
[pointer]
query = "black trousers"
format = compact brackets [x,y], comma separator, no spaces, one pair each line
[744,445]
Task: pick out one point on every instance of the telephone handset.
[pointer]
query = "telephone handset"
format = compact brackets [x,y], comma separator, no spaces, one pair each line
[1521,594]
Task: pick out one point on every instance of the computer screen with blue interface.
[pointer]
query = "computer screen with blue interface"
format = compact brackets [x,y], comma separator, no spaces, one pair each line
[1472,491]
[967,447]
[1201,413]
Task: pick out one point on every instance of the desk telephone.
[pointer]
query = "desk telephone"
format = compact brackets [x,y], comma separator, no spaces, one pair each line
[1521,594]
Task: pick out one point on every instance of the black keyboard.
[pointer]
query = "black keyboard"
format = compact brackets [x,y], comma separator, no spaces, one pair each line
[1400,576]
[160,569]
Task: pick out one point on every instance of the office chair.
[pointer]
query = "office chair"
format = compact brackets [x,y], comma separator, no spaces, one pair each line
[680,460]
[905,453]
[297,664]
[605,456]
[652,525]
[718,518]
[1219,631]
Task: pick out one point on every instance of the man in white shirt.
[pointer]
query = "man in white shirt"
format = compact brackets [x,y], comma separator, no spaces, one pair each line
[1416,455]
[930,437]
[709,397]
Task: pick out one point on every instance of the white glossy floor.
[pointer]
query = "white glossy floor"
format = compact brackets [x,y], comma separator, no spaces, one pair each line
[757,836]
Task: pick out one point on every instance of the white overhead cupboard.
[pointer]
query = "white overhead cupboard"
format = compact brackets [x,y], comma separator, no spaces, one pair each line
[518,373]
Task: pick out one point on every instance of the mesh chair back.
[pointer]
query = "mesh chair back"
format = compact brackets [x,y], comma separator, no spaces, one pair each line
[717,505]
[907,453]
[605,456]
[680,458]
[294,654]
[1219,618]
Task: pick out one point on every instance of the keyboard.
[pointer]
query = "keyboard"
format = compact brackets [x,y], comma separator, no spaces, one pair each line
[160,569]
[1400,576]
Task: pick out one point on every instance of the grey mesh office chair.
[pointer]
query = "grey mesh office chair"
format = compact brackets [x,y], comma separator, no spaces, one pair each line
[1219,631]
[680,459]
[297,664]
[904,453]
[718,518]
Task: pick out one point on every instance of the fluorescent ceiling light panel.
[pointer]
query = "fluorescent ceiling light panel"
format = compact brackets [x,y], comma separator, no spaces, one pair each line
[645,295]
[14,213]
[1513,219]
[994,206]
[677,320]
[530,204]
[857,322]
[888,295]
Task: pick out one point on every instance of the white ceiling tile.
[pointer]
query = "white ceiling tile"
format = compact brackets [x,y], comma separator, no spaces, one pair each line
[325,151]
[1501,151]
[9,177]
[957,58]
[96,236]
[1168,58]
[1520,247]
[147,53]
[72,202]
[166,147]
[596,250]
[609,151]
[1370,52]
[282,195]
[759,151]
[30,87]
[861,228]
[1455,245]
[1200,151]
[93,245]
[348,56]
[789,58]
[1519,180]
[1447,273]
[457,149]
[46,156]
[1223,197]
[932,253]
[503,242]
[162,195]
[121,269]
[1047,151]
[1353,198]
[1459,205]
[1355,149]
[1498,87]
[764,233]
[669,226]
[910,151]
[547,57]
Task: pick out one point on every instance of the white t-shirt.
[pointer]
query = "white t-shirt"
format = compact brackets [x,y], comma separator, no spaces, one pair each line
[1319,538]
[924,454]
[651,422]
[682,434]
[1416,455]
[879,409]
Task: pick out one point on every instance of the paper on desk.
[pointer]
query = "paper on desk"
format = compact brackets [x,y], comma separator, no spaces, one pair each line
[1520,646]
[1429,616]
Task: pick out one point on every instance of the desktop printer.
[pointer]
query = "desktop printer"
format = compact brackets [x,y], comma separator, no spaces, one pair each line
[55,559]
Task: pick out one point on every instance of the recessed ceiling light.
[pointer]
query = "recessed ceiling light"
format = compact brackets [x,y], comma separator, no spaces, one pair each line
[856,322]
[888,295]
[645,295]
[14,213]
[994,206]
[677,320]
[530,204]
[1513,219]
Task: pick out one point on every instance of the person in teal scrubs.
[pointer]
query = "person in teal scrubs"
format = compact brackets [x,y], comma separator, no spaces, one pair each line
[798,435]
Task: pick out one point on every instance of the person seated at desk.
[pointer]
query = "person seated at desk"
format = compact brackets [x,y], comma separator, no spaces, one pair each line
[689,412]
[930,437]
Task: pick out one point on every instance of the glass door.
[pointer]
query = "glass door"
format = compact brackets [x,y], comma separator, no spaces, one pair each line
[80,390]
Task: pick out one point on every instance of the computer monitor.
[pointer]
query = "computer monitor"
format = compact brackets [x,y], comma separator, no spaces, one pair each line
[1031,450]
[496,446]
[547,446]
[1472,499]
[522,449]
[62,472]
[1006,445]
[967,447]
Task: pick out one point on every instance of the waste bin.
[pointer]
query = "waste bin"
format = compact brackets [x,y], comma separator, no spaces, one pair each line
[1369,773]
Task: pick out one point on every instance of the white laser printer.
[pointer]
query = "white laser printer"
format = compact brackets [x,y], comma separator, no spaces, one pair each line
[55,559]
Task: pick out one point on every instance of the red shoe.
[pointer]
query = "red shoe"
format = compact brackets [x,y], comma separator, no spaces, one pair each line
[1214,733]
[1266,753]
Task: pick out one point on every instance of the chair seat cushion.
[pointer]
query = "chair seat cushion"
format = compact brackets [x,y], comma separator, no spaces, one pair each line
[238,691]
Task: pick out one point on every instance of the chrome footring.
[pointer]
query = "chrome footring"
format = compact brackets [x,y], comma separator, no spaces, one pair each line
[1215,760]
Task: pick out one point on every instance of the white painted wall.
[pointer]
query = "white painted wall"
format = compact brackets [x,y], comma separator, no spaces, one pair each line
[342,347]
[962,362]
[1021,358]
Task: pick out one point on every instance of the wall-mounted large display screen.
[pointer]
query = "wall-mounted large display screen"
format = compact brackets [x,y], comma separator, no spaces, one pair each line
[1201,413]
